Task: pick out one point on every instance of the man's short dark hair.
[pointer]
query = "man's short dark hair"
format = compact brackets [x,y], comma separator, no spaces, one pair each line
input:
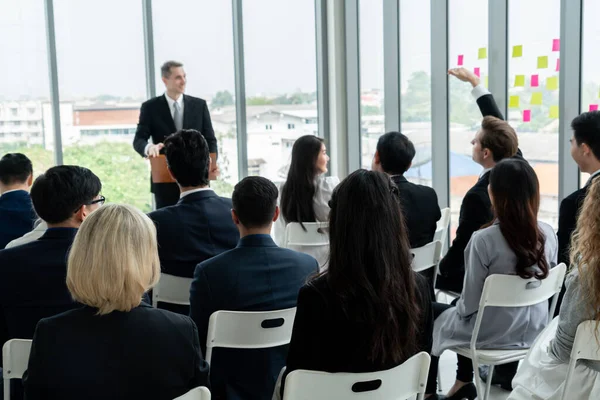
[586,129]
[499,137]
[396,152]
[165,69]
[254,201]
[62,190]
[188,157]
[15,168]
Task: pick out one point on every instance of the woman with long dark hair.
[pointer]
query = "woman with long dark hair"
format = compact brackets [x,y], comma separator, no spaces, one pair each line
[514,243]
[369,311]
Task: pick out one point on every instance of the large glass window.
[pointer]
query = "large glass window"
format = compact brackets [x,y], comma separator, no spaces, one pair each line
[100,52]
[372,121]
[533,92]
[281,85]
[25,113]
[468,41]
[415,74]
[199,34]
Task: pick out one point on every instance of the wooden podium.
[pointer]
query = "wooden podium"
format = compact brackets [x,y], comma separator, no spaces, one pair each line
[160,171]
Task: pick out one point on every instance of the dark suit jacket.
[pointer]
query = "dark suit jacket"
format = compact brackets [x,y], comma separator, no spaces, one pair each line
[17,216]
[33,283]
[145,353]
[420,209]
[255,276]
[197,228]
[325,339]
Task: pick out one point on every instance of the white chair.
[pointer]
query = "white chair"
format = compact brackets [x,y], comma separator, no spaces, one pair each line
[398,383]
[426,257]
[199,393]
[509,291]
[443,227]
[249,330]
[316,234]
[15,357]
[172,289]
[585,346]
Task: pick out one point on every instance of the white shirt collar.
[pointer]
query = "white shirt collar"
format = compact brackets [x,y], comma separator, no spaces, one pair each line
[183,194]
[14,190]
[171,101]
[594,174]
[485,171]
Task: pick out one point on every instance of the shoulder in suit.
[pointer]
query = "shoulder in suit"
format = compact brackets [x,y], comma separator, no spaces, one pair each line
[17,216]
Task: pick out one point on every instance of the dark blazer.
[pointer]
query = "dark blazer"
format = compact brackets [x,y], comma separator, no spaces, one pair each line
[325,339]
[145,353]
[17,216]
[420,209]
[475,211]
[197,228]
[255,276]
[33,283]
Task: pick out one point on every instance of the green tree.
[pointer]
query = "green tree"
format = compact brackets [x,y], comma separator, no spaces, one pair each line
[222,99]
[258,101]
[416,102]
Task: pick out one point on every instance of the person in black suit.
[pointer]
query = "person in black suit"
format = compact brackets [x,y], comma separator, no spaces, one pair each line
[167,114]
[17,216]
[255,276]
[115,346]
[419,203]
[32,276]
[369,311]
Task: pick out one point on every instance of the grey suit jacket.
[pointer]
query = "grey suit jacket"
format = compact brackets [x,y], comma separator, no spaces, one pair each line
[486,254]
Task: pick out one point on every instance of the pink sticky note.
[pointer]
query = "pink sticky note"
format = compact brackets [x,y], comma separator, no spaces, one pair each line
[526,115]
[593,107]
[556,45]
[476,72]
[535,80]
[558,64]
[460,60]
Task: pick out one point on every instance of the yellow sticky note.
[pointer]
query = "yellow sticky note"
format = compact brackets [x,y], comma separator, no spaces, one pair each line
[553,111]
[542,62]
[536,98]
[482,53]
[519,80]
[514,102]
[552,83]
[487,81]
[517,51]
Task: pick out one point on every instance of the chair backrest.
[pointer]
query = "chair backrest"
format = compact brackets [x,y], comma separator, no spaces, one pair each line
[316,234]
[198,393]
[513,291]
[426,256]
[398,383]
[15,357]
[249,329]
[442,229]
[172,289]
[585,346]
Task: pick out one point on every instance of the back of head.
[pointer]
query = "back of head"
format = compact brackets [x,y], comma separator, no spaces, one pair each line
[254,201]
[499,137]
[15,168]
[396,153]
[114,259]
[299,188]
[516,200]
[586,129]
[188,157]
[370,263]
[62,190]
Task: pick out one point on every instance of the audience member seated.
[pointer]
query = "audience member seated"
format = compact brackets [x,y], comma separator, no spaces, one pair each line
[16,212]
[368,311]
[542,374]
[306,191]
[114,346]
[514,243]
[199,226]
[255,276]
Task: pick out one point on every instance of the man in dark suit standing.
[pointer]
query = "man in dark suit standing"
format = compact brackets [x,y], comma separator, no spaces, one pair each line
[16,211]
[419,203]
[167,114]
[255,276]
[33,275]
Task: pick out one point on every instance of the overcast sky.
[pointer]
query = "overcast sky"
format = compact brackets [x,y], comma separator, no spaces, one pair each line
[101,51]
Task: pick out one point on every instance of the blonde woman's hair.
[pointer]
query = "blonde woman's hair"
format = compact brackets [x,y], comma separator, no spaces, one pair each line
[114,259]
[585,248]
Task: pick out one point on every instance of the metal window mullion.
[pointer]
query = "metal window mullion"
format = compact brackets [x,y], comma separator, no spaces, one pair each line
[240,88]
[391,65]
[353,133]
[149,48]
[322,68]
[498,52]
[53,74]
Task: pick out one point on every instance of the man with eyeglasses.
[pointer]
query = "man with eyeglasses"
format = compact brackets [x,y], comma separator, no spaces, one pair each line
[33,275]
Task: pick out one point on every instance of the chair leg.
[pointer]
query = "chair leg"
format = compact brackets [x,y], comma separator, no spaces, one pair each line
[439,378]
[488,384]
[480,390]
[6,389]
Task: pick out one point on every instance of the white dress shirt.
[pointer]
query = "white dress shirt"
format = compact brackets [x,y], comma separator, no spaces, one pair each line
[171,103]
[479,91]
[183,194]
[35,234]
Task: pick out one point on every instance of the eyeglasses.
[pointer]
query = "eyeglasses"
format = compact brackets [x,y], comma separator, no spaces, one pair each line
[100,201]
